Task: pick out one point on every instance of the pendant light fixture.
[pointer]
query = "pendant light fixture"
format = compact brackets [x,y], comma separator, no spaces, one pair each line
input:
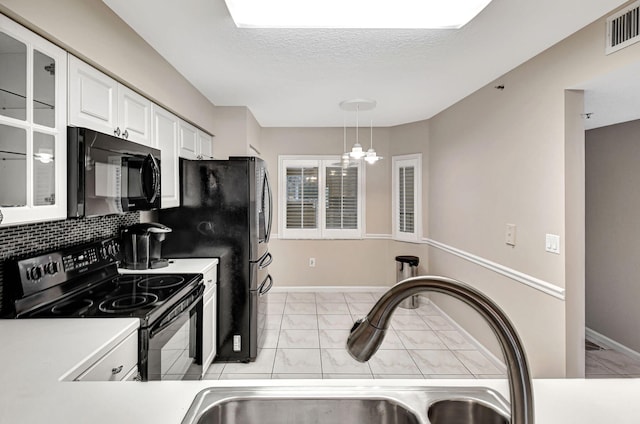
[357,152]
[371,157]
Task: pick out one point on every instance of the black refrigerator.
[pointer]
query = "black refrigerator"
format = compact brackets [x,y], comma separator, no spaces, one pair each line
[225,213]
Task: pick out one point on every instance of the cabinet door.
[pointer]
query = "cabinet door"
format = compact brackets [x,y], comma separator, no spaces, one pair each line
[33,137]
[208,328]
[134,116]
[165,138]
[116,364]
[92,98]
[188,141]
[205,145]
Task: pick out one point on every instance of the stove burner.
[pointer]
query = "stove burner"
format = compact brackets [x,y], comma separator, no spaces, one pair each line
[72,307]
[161,282]
[127,302]
[127,278]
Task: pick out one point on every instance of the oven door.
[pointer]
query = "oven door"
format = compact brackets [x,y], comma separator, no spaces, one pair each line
[171,349]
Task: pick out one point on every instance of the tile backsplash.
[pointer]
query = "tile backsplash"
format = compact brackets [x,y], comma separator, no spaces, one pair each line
[32,239]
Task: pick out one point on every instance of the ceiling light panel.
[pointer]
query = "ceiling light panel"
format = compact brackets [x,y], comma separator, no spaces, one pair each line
[354,13]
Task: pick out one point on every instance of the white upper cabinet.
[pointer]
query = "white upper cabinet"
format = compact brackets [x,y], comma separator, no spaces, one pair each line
[188,141]
[134,116]
[33,137]
[205,145]
[165,138]
[92,98]
[99,102]
[195,143]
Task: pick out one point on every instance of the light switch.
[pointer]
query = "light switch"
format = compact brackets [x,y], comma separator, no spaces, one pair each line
[552,244]
[510,235]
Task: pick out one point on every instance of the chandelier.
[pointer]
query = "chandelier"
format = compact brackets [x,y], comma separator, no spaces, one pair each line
[357,153]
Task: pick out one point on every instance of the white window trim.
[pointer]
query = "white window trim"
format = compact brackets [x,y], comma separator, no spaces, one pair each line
[321,161]
[397,161]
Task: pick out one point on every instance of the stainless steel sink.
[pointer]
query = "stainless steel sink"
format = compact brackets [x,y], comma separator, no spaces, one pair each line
[464,411]
[329,405]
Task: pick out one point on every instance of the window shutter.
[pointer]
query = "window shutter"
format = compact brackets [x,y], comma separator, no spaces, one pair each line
[341,198]
[302,198]
[406,204]
[319,199]
[407,197]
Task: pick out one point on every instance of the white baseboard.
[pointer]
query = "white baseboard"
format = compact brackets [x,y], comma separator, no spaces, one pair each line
[605,341]
[497,362]
[332,289]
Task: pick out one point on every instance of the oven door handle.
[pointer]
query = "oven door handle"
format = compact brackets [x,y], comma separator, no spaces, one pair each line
[163,322]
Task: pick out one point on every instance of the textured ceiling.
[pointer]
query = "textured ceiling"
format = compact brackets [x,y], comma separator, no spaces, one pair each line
[297,77]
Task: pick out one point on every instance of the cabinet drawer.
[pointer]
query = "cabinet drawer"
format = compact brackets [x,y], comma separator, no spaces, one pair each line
[116,364]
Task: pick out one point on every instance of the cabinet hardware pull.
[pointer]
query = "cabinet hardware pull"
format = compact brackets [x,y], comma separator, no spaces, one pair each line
[117,370]
[117,131]
[125,134]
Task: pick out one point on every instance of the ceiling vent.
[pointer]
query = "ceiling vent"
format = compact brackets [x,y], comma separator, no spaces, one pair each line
[623,28]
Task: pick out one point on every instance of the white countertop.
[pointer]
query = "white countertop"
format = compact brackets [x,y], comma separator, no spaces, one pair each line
[178,266]
[36,354]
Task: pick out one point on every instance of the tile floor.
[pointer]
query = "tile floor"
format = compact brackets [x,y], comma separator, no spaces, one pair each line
[306,334]
[602,362]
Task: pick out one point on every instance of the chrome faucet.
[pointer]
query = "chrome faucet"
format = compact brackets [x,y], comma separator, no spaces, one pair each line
[367,333]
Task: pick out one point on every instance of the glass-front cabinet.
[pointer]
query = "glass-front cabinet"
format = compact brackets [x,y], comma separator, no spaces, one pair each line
[33,87]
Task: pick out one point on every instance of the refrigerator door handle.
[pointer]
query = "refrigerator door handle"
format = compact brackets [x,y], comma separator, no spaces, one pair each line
[268,259]
[269,218]
[262,290]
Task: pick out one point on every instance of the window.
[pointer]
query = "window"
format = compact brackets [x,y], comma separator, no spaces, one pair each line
[407,178]
[320,199]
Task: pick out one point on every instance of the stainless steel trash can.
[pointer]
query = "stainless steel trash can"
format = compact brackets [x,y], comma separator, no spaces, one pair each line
[407,267]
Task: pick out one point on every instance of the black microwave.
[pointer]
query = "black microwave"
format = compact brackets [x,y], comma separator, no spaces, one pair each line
[110,175]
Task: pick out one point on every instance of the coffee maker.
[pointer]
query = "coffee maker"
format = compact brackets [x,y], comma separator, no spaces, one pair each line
[141,245]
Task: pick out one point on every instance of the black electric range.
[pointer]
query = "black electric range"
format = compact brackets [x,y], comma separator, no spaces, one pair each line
[83,282]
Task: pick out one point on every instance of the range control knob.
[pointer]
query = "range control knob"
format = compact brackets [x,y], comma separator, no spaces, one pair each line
[35,273]
[113,249]
[103,252]
[51,268]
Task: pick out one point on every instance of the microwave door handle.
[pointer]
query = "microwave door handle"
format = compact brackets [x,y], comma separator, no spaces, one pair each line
[152,164]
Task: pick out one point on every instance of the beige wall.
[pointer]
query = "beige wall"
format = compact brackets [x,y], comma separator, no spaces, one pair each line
[574,233]
[91,31]
[231,131]
[613,232]
[339,262]
[409,139]
[509,156]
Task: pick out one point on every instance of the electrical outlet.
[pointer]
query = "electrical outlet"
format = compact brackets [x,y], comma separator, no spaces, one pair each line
[312,262]
[510,235]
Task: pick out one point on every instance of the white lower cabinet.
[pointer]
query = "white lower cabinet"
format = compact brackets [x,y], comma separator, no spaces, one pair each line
[209,320]
[120,363]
